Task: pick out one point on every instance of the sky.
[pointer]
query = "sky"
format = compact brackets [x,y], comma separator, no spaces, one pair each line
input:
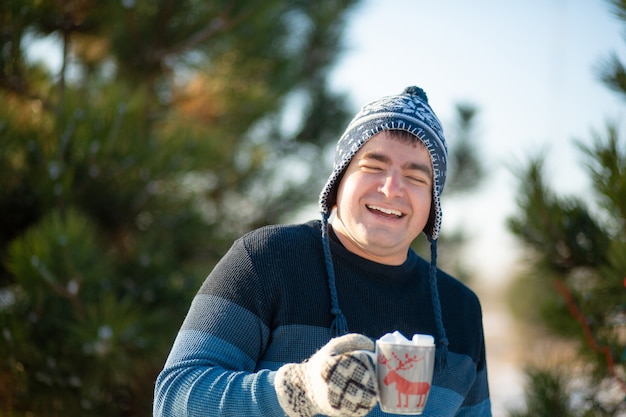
[529,67]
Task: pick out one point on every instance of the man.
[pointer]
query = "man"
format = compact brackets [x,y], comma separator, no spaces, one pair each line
[280,324]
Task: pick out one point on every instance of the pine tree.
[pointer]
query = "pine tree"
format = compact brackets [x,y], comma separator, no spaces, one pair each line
[170,128]
[577,282]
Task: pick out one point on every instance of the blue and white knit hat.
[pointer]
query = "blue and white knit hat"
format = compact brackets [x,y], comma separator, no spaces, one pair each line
[409,112]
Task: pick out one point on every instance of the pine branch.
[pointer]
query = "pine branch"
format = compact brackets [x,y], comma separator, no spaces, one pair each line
[220,24]
[50,279]
[578,315]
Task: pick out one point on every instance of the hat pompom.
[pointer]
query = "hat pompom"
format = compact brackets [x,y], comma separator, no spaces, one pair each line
[416,91]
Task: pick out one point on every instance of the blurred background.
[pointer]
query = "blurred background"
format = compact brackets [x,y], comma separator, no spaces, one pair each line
[138,139]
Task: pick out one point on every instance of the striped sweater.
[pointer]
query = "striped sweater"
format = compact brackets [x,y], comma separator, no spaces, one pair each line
[267,303]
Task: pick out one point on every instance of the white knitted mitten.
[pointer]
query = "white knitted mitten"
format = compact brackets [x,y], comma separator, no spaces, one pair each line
[336,381]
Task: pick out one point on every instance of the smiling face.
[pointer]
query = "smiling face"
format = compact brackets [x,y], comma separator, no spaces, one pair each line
[384,198]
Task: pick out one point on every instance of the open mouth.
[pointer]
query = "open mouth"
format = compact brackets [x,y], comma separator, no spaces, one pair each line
[386,212]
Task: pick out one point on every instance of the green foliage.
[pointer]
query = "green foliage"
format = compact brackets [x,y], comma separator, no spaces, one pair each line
[171,128]
[575,284]
[613,72]
[576,280]
[549,396]
[606,165]
[68,310]
[561,229]
[553,392]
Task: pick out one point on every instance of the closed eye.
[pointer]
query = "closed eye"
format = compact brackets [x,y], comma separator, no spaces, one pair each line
[370,168]
[418,180]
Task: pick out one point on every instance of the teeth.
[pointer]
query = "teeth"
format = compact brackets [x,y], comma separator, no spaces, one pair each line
[386,211]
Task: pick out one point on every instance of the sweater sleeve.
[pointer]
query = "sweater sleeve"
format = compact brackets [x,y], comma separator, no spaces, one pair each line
[212,367]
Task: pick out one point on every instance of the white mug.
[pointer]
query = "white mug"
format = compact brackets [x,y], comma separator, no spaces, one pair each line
[404,371]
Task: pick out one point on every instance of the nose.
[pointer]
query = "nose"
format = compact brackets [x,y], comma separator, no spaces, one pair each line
[392,186]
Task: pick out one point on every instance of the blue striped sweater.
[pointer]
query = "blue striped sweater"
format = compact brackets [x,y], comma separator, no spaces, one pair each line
[266,303]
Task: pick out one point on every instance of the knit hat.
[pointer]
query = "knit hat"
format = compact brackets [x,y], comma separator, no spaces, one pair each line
[409,112]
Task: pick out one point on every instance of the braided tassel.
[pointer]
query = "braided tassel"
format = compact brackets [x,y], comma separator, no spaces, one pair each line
[339,326]
[441,355]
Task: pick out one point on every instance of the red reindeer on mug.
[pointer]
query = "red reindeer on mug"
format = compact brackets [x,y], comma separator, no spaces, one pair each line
[403,385]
